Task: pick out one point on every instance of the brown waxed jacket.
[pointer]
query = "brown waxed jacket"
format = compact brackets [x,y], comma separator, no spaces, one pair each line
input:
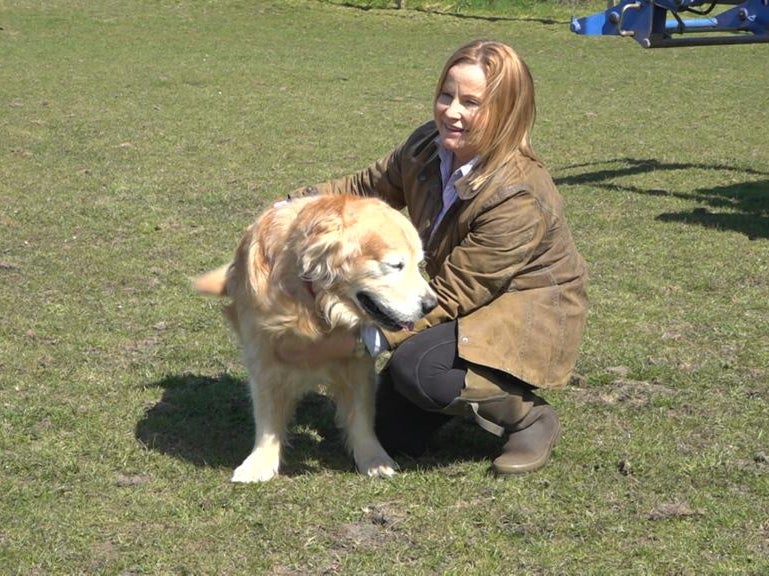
[502,261]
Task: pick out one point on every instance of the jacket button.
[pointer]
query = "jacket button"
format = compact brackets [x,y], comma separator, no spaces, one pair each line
[464,340]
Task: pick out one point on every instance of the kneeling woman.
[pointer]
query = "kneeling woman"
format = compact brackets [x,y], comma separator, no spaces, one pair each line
[511,285]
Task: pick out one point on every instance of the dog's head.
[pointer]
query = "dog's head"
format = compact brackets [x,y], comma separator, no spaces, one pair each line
[361,258]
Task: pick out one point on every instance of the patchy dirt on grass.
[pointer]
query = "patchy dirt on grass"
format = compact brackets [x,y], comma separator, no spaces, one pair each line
[758,464]
[375,531]
[376,527]
[622,390]
[672,510]
[130,480]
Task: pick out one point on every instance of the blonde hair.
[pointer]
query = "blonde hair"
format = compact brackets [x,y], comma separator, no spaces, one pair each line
[506,115]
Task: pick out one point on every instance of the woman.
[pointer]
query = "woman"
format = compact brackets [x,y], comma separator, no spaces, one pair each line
[500,256]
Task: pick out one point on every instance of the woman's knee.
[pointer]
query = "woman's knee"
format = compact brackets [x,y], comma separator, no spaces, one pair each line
[426,370]
[407,383]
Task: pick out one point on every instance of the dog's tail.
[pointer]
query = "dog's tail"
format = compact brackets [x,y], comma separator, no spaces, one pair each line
[213,282]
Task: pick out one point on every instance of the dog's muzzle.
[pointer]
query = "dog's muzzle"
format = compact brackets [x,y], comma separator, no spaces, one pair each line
[386,318]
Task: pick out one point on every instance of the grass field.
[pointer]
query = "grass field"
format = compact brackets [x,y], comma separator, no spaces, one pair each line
[138,139]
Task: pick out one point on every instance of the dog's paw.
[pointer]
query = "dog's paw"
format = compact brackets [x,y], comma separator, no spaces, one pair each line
[381,466]
[381,471]
[255,469]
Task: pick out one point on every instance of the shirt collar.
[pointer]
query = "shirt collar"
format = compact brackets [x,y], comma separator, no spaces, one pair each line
[447,159]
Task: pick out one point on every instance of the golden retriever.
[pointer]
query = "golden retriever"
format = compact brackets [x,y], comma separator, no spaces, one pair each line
[305,269]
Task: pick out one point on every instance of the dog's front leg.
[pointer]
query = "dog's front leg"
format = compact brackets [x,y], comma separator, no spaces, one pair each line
[355,413]
[272,410]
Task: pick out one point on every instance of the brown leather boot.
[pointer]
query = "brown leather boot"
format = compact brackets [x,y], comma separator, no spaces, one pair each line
[530,443]
[501,405]
[532,437]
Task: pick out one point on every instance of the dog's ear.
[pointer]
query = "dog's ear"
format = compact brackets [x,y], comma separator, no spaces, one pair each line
[321,242]
[213,282]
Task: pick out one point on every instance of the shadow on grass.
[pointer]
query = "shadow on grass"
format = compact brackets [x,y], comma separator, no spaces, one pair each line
[208,421]
[483,17]
[205,420]
[742,207]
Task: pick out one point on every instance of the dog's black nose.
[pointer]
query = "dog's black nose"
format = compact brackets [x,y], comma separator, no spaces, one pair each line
[428,304]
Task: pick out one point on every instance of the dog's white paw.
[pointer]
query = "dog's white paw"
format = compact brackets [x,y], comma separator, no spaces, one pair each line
[256,468]
[381,471]
[379,466]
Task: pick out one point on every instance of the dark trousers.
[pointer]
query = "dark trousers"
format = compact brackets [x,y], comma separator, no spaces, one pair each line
[424,375]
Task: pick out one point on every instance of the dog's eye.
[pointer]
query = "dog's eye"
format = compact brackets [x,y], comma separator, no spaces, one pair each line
[396,265]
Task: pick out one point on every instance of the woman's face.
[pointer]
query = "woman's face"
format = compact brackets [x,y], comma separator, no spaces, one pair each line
[455,109]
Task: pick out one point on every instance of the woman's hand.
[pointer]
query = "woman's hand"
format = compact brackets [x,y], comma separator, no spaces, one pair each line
[337,346]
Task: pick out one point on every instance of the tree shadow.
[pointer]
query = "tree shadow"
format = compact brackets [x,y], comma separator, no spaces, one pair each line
[748,205]
[741,207]
[459,15]
[208,421]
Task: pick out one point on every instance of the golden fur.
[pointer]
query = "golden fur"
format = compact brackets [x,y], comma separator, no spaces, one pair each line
[304,269]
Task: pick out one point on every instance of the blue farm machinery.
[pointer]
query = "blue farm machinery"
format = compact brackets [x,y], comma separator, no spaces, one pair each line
[669,23]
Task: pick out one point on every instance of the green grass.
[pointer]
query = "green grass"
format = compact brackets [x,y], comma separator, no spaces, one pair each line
[137,139]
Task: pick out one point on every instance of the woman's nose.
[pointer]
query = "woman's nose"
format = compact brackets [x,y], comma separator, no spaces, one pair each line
[454,110]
